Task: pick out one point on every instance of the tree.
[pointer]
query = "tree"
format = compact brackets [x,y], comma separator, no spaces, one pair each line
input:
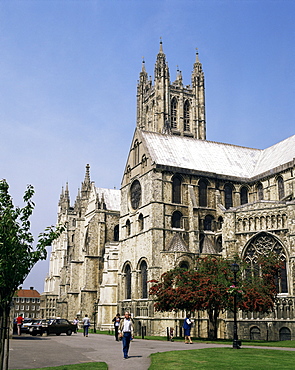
[17,254]
[210,288]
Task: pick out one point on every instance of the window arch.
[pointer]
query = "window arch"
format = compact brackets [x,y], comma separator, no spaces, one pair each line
[176,189]
[186,116]
[144,279]
[127,272]
[281,188]
[285,334]
[208,223]
[176,219]
[228,196]
[174,113]
[260,191]
[203,193]
[136,152]
[128,228]
[264,243]
[244,195]
[219,222]
[184,265]
[116,233]
[219,244]
[140,222]
[255,333]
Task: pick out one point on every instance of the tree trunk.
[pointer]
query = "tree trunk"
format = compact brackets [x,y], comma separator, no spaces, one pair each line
[213,324]
[4,338]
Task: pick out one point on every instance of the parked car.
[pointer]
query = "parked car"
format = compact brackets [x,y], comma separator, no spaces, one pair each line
[26,325]
[52,326]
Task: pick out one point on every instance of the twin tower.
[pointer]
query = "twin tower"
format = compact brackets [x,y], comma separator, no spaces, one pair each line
[171,108]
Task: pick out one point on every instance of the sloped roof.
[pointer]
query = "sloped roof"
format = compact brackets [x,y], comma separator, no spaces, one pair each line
[218,158]
[27,293]
[112,198]
[177,244]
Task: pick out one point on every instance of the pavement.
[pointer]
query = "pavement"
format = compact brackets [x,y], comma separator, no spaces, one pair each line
[27,352]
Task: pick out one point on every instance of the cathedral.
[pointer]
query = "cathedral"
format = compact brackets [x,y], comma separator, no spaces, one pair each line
[182,197]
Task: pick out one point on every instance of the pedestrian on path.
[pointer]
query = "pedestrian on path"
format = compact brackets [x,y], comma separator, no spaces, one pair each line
[126,333]
[187,325]
[86,324]
[19,322]
[116,321]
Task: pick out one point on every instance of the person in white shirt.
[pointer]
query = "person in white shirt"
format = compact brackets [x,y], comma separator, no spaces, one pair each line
[86,324]
[126,332]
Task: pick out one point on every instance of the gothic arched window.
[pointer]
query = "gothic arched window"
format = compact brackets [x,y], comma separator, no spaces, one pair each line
[203,193]
[127,281]
[136,152]
[144,279]
[176,189]
[281,189]
[228,196]
[184,265]
[140,222]
[174,113]
[264,243]
[176,219]
[260,191]
[208,223]
[186,116]
[116,233]
[219,223]
[244,195]
[128,227]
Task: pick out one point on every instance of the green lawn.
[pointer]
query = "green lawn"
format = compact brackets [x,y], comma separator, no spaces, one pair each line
[84,366]
[224,358]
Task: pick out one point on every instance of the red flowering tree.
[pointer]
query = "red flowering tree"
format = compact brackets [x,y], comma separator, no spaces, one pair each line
[210,288]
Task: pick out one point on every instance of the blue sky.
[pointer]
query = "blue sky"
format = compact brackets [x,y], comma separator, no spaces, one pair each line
[68,75]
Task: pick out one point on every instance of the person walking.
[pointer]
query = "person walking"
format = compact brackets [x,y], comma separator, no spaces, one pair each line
[76,323]
[126,333]
[116,320]
[86,324]
[19,322]
[187,325]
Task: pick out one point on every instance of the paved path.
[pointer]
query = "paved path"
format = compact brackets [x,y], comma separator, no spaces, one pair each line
[28,352]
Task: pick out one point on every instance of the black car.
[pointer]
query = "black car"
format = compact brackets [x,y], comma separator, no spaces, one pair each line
[52,326]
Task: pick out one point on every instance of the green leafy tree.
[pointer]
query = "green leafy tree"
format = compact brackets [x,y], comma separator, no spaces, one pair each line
[210,288]
[17,254]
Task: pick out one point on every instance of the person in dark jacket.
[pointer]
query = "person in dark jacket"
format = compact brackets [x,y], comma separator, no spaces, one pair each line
[187,325]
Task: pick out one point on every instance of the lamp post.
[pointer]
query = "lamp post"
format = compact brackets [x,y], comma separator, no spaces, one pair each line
[235,269]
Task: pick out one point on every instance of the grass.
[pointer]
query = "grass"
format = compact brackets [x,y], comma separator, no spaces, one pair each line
[84,366]
[224,358]
[246,342]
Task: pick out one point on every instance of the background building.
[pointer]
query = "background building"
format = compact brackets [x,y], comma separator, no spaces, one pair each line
[181,197]
[27,303]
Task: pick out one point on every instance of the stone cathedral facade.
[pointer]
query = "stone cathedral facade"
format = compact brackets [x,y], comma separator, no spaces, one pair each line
[181,197]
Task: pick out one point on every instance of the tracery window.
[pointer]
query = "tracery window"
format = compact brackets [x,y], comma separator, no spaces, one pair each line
[144,279]
[186,114]
[174,113]
[281,189]
[264,243]
[203,193]
[176,189]
[127,282]
[176,219]
[260,191]
[244,195]
[228,196]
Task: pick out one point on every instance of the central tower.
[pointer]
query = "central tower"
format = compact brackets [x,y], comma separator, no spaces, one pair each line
[171,108]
